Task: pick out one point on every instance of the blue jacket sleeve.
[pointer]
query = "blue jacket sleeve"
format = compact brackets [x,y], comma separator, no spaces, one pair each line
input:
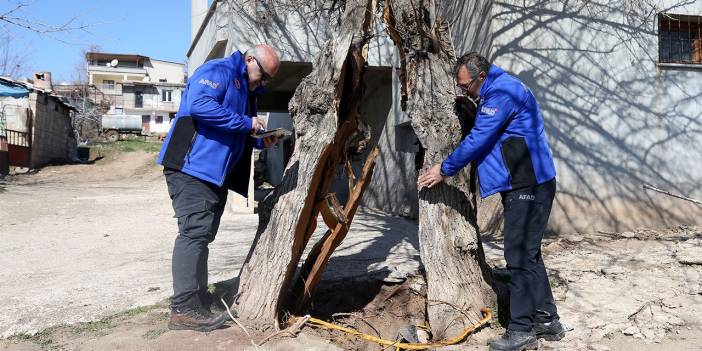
[491,116]
[206,91]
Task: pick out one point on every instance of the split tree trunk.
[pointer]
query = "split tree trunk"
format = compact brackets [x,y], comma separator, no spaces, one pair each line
[450,247]
[324,111]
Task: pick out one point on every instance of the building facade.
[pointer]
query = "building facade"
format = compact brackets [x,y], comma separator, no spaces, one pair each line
[617,82]
[138,85]
[35,124]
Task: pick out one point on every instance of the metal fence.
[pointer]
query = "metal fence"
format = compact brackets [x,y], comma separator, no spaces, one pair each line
[17,138]
[3,124]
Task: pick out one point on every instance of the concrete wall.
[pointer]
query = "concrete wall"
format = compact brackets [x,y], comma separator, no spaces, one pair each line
[152,98]
[211,38]
[15,110]
[170,71]
[52,130]
[615,119]
[296,32]
[393,187]
[159,128]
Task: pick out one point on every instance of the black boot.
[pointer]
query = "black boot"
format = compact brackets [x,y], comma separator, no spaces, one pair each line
[551,331]
[514,340]
[196,318]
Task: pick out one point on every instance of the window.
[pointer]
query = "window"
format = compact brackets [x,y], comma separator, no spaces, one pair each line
[166,95]
[138,99]
[162,80]
[159,119]
[679,39]
[108,84]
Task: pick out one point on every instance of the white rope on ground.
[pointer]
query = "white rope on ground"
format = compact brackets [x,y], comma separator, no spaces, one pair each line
[239,324]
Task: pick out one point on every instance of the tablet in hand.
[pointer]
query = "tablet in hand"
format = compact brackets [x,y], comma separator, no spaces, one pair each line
[281,133]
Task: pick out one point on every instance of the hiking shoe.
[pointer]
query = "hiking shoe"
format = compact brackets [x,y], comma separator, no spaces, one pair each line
[551,331]
[514,340]
[197,319]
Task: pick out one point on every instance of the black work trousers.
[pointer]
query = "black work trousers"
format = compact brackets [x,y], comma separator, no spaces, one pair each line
[526,215]
[198,205]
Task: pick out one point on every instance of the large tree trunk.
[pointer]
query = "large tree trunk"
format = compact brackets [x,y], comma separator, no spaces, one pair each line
[450,247]
[324,111]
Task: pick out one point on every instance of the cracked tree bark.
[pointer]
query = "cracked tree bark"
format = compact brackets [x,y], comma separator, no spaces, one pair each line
[324,109]
[450,248]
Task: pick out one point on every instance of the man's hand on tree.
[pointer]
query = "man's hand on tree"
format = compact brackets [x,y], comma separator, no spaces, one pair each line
[431,177]
[257,124]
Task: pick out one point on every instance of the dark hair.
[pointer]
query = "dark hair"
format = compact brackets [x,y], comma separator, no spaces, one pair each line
[474,63]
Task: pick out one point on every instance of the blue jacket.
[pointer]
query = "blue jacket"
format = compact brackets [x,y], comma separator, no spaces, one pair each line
[211,130]
[508,139]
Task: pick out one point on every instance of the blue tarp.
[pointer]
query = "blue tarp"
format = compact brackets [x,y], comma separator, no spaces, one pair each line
[14,90]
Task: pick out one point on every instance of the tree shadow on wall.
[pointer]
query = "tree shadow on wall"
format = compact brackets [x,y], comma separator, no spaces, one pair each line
[613,120]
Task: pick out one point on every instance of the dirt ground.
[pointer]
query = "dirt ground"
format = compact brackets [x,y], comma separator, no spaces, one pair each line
[85,265]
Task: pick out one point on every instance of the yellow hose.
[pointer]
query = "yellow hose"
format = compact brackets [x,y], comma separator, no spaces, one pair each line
[487,315]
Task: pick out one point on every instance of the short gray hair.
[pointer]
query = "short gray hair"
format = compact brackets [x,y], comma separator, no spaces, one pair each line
[474,63]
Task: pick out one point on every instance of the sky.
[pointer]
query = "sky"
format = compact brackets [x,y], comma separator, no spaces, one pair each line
[159,29]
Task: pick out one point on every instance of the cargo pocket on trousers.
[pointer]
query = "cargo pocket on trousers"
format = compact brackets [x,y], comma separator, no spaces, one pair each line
[196,220]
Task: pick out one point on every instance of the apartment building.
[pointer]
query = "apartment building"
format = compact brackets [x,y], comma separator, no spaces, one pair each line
[138,85]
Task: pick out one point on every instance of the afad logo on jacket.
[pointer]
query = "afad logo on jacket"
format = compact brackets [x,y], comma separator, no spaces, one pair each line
[490,111]
[209,83]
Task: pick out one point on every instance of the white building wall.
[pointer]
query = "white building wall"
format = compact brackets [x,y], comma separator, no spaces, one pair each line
[170,71]
[292,31]
[615,120]
[15,110]
[215,32]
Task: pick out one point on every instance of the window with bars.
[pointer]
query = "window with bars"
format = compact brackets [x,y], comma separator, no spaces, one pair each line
[679,38]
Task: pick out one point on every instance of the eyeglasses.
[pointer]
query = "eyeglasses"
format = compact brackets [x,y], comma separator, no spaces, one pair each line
[264,76]
[466,88]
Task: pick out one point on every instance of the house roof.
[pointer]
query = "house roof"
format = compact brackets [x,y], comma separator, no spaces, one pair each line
[110,56]
[22,89]
[11,88]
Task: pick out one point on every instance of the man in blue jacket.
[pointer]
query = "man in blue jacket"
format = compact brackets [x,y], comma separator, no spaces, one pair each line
[208,151]
[509,144]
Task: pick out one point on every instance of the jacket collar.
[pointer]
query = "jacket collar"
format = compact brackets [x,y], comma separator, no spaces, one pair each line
[239,65]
